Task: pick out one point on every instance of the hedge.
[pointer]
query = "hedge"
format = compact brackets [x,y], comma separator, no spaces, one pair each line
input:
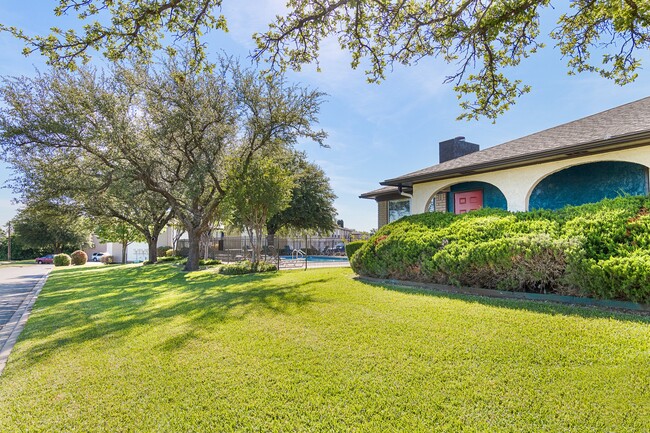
[599,250]
[352,247]
[246,267]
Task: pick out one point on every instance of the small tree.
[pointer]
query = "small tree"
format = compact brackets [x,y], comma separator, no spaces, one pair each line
[260,193]
[312,200]
[114,230]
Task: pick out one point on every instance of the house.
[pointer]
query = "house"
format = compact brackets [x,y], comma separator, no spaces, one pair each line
[600,156]
[135,251]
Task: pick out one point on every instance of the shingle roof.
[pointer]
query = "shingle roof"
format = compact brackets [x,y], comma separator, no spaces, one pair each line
[625,121]
[385,191]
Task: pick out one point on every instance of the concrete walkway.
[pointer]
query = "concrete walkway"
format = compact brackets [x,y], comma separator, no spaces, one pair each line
[19,287]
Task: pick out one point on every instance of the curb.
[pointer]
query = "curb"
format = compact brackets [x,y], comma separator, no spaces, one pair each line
[623,306]
[15,325]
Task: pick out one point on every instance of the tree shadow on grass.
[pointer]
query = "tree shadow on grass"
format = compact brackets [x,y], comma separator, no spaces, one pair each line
[542,307]
[82,306]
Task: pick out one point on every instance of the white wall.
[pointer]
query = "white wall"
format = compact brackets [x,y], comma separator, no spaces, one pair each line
[517,183]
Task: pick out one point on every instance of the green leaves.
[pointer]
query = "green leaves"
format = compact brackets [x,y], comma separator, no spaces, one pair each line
[483,40]
[595,250]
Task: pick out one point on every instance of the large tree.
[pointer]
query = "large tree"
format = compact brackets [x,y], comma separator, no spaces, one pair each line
[76,178]
[483,39]
[312,200]
[168,128]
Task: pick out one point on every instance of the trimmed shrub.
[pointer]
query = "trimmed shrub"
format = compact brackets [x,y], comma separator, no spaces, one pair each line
[62,260]
[169,253]
[162,251]
[209,262]
[352,247]
[107,259]
[79,257]
[169,259]
[246,267]
[600,250]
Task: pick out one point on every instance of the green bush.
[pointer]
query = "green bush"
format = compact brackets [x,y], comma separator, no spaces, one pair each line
[599,250]
[62,260]
[169,253]
[169,259]
[107,259]
[162,251]
[352,247]
[79,257]
[246,267]
[209,262]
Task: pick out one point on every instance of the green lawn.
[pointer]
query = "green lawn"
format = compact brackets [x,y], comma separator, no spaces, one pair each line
[17,262]
[150,349]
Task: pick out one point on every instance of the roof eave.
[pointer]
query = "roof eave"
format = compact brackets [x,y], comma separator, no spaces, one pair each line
[615,143]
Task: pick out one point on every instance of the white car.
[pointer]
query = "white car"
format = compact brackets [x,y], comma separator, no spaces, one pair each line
[97,257]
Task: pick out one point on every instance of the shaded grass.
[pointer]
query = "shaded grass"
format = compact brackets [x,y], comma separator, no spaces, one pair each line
[132,348]
[17,262]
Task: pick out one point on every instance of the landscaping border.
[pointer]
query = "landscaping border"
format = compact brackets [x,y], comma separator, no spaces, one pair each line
[625,306]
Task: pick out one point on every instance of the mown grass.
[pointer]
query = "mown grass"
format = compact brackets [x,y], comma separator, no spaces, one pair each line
[17,262]
[144,349]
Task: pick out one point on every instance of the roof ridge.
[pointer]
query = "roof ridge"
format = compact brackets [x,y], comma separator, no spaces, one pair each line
[618,107]
[546,139]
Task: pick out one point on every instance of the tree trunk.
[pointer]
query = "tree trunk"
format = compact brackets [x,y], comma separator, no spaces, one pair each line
[193,255]
[251,239]
[152,243]
[258,244]
[124,245]
[270,242]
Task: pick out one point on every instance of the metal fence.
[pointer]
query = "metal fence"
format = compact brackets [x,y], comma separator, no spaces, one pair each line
[233,248]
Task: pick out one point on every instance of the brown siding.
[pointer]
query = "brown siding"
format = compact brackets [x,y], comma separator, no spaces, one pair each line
[382,213]
[441,202]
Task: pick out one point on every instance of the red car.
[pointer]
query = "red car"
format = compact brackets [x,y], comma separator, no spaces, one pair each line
[46,259]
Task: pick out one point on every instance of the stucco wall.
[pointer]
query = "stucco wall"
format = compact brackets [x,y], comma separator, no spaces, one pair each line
[518,183]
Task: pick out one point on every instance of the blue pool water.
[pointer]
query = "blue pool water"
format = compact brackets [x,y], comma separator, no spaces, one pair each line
[319,258]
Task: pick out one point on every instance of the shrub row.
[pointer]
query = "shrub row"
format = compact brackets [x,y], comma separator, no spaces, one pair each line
[599,250]
[246,267]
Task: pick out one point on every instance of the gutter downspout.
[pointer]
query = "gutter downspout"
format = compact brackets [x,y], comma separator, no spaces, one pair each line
[402,193]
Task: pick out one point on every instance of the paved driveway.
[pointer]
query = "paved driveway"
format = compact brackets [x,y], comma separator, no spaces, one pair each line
[18,287]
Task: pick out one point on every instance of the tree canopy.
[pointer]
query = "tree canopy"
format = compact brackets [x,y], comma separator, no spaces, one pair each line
[312,200]
[261,192]
[43,225]
[483,40]
[165,130]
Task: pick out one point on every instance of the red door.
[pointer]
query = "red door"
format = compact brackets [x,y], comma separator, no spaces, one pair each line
[467,201]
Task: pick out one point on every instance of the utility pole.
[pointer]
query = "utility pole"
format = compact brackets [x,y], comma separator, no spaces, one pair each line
[9,241]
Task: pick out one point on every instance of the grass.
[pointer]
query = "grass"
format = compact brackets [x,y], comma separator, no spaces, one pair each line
[151,349]
[17,262]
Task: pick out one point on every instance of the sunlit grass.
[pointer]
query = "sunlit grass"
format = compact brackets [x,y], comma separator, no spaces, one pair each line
[140,349]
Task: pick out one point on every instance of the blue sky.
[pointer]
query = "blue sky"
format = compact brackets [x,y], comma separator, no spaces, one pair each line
[375,131]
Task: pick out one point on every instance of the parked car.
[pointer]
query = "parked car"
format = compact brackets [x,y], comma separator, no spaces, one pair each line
[97,257]
[47,259]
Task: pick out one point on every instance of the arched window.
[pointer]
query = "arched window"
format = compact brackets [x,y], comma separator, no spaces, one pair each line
[589,183]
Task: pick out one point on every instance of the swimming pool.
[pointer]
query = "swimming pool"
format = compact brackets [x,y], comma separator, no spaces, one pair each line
[321,259]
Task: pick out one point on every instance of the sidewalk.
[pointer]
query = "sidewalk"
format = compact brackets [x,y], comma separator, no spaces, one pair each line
[19,288]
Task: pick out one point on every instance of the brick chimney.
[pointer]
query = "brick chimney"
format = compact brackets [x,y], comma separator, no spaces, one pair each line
[455,148]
